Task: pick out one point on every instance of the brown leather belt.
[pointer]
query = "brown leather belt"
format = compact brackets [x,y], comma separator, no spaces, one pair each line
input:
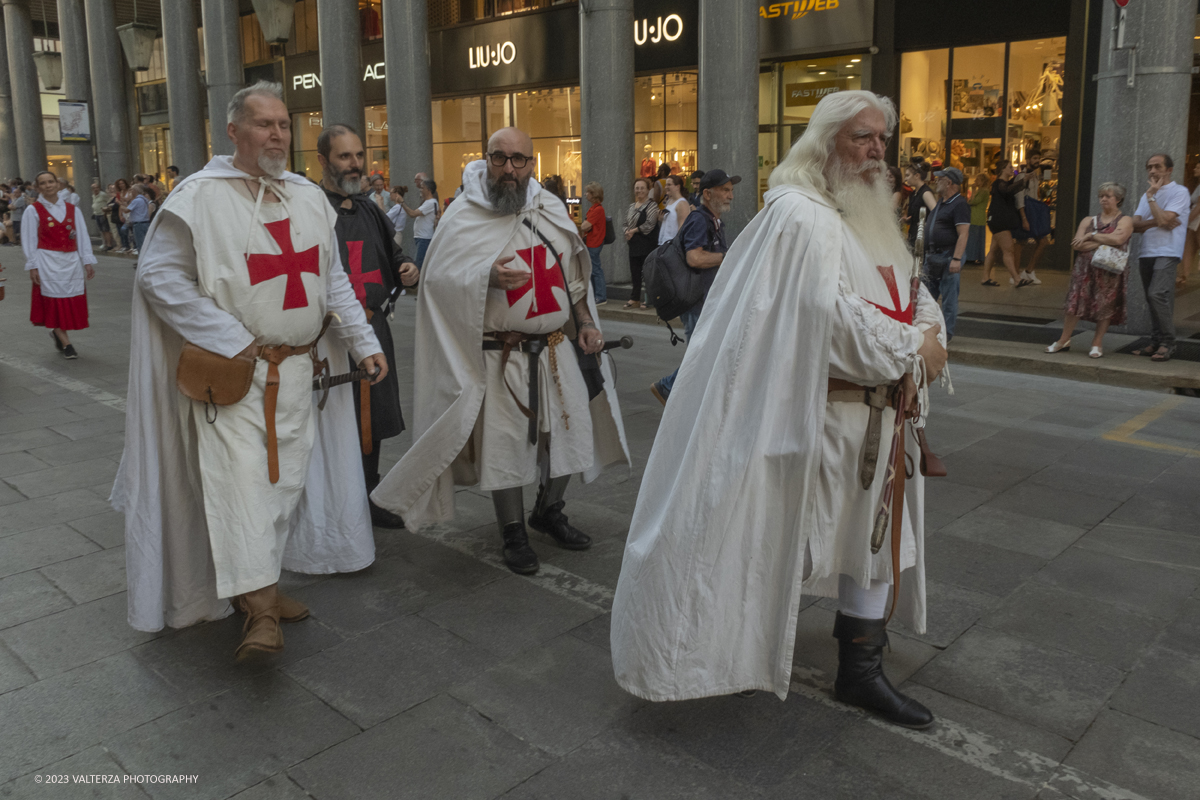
[532,344]
[877,397]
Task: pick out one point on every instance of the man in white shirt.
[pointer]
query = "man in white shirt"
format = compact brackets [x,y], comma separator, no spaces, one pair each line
[1159,218]
[379,194]
[425,218]
[65,192]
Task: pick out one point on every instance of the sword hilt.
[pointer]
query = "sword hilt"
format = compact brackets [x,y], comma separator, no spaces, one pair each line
[338,380]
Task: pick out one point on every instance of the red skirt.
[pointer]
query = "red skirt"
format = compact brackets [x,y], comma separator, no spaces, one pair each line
[68,313]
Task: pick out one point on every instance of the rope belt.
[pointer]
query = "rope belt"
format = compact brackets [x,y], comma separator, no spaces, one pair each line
[532,344]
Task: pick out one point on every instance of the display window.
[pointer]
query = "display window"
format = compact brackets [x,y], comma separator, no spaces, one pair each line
[376,144]
[551,118]
[306,129]
[457,140]
[154,149]
[664,123]
[969,107]
[788,92]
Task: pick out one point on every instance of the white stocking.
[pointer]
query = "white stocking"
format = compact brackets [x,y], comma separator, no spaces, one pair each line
[855,601]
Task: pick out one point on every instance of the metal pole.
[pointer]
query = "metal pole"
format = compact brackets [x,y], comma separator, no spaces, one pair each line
[185,101]
[10,164]
[341,75]
[223,66]
[606,116]
[1151,116]
[111,119]
[77,86]
[410,132]
[727,117]
[26,93]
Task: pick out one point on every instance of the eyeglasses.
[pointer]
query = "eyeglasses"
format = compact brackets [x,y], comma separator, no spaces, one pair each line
[498,159]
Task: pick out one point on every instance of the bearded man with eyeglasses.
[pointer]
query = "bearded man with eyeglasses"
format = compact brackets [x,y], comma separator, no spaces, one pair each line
[511,387]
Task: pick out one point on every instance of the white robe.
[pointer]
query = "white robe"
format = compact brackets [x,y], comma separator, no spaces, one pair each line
[169,557]
[60,274]
[738,501]
[453,375]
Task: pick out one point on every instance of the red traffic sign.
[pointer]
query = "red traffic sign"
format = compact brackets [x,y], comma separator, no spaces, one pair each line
[1121,3]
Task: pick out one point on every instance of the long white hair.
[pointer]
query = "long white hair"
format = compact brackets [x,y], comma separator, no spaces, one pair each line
[805,163]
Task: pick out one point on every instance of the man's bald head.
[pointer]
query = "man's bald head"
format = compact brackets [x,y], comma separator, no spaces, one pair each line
[507,182]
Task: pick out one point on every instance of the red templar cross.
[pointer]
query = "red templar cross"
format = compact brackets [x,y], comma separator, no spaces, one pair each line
[265,266]
[544,279]
[358,278]
[889,277]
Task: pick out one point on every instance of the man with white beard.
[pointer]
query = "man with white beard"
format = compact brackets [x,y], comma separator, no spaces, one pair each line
[766,475]
[237,282]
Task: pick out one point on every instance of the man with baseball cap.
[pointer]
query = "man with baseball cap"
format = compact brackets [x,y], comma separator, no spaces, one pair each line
[705,245]
[945,242]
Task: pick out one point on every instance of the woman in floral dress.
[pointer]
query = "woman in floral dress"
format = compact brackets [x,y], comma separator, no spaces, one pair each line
[1096,295]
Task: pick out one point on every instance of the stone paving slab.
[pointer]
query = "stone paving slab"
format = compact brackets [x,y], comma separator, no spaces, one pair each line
[1063,560]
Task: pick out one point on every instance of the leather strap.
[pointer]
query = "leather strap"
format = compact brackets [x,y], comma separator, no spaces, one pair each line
[876,397]
[364,413]
[897,517]
[270,398]
[532,344]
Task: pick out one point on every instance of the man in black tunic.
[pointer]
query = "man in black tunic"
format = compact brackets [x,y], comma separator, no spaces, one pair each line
[376,266]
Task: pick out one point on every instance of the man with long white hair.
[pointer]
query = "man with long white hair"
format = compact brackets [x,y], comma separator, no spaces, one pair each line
[770,467]
[232,476]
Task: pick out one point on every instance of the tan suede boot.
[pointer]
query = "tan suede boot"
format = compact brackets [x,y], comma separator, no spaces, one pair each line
[261,631]
[290,609]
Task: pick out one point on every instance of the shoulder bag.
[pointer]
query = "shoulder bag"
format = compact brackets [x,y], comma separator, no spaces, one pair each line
[1109,258]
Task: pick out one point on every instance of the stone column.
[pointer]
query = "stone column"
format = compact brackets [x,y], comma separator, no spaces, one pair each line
[26,93]
[606,115]
[727,116]
[339,38]
[1149,117]
[223,66]
[410,131]
[110,120]
[185,101]
[77,86]
[10,164]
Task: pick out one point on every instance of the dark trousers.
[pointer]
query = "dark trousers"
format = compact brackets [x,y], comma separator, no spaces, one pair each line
[635,272]
[1158,279]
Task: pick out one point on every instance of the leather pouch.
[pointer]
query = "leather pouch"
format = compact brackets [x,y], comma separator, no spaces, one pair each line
[931,465]
[207,377]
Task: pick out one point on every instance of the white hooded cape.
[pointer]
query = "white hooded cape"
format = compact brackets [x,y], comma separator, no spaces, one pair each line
[711,580]
[168,558]
[449,365]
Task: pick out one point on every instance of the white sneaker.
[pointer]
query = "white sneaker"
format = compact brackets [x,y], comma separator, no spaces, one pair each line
[1024,275]
[1011,282]
[1033,277]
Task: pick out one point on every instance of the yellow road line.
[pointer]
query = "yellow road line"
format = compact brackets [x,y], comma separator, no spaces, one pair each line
[1124,433]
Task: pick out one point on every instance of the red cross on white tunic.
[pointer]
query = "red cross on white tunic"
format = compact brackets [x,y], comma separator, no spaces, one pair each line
[544,279]
[265,266]
[358,278]
[889,277]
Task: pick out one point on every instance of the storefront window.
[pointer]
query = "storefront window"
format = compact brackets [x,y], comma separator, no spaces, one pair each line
[664,123]
[306,129]
[551,118]
[923,78]
[377,142]
[977,100]
[1035,83]
[457,141]
[154,147]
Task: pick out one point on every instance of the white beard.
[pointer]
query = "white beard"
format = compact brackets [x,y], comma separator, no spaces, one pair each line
[866,208]
[272,166]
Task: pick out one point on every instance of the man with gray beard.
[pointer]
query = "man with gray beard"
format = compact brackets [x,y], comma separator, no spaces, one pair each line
[238,280]
[769,476]
[503,397]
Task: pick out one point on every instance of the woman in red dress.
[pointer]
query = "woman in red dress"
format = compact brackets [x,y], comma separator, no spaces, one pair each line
[59,259]
[1096,295]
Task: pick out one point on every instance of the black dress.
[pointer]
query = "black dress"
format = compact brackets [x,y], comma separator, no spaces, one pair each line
[372,262]
[916,202]
[1002,211]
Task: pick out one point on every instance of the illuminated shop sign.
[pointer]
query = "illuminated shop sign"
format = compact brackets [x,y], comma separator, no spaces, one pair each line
[669,28]
[796,9]
[485,56]
[814,26]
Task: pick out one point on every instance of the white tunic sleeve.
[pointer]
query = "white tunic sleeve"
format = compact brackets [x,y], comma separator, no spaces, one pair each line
[166,274]
[29,240]
[353,329]
[869,347]
[929,313]
[83,239]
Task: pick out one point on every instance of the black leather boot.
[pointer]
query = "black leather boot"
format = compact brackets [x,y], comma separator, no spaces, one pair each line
[860,679]
[518,555]
[551,521]
[381,517]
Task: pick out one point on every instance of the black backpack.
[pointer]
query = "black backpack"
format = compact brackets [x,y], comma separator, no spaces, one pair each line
[610,233]
[671,285]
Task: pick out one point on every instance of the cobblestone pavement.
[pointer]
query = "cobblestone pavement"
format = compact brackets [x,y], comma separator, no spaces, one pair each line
[1062,658]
